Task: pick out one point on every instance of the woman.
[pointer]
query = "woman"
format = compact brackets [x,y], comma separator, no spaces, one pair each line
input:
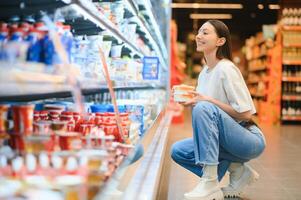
[224,136]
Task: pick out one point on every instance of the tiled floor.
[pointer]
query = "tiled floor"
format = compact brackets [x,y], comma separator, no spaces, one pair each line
[279,166]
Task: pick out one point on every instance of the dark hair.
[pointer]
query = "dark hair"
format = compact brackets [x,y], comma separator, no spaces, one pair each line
[222,30]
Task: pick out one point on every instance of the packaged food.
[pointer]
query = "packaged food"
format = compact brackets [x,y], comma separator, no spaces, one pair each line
[182,93]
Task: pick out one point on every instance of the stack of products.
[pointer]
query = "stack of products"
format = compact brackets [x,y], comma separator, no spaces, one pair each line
[45,146]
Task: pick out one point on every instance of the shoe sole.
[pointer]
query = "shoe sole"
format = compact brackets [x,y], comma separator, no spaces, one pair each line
[218,195]
[235,194]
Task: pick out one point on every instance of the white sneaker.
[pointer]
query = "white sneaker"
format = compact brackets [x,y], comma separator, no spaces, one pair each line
[239,179]
[207,189]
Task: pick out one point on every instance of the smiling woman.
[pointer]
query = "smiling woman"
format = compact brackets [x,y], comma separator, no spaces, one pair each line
[224,137]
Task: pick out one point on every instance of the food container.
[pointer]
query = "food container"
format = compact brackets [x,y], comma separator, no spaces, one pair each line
[42,127]
[17,141]
[59,126]
[38,143]
[23,118]
[69,140]
[182,93]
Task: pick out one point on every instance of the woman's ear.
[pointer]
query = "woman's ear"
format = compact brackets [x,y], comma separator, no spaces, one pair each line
[221,41]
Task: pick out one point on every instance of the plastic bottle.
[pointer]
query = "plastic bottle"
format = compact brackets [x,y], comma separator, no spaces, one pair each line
[17,35]
[3,39]
[35,46]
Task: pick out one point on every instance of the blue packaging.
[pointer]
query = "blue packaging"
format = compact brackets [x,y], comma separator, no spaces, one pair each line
[48,50]
[35,47]
[3,39]
[99,108]
[17,35]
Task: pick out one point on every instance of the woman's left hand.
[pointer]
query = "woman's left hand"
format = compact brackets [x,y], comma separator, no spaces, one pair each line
[197,97]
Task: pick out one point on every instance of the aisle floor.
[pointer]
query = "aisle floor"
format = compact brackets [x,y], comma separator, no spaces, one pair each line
[279,166]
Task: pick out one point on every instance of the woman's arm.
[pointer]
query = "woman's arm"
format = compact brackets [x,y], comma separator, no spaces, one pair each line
[225,107]
[230,111]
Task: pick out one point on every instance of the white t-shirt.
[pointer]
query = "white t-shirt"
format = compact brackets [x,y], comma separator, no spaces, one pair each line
[225,83]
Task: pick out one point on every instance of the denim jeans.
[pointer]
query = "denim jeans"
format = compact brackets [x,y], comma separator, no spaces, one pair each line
[217,140]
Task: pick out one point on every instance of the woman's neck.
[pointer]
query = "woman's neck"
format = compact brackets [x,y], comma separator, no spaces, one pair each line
[211,59]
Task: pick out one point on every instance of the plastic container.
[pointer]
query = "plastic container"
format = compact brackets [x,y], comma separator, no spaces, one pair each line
[23,119]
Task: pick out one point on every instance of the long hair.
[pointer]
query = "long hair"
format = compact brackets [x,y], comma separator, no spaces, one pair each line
[222,30]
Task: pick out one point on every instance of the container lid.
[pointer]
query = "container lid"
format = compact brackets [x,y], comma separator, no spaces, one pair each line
[69,180]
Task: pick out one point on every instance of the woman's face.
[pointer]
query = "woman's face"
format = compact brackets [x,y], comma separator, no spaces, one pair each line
[207,39]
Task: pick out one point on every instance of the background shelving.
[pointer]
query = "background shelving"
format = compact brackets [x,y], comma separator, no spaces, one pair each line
[291,74]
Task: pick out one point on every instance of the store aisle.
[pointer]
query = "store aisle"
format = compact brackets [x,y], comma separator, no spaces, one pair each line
[279,166]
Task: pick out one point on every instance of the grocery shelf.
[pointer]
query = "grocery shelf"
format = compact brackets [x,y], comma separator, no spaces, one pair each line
[258,57]
[257,43]
[260,68]
[291,79]
[141,22]
[20,92]
[291,97]
[252,81]
[291,62]
[290,118]
[145,182]
[257,81]
[147,6]
[27,7]
[292,45]
[88,10]
[291,28]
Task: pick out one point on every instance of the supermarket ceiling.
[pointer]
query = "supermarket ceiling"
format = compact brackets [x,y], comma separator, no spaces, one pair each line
[247,16]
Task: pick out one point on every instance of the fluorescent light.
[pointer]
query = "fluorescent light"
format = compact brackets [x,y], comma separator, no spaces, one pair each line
[210,16]
[274,7]
[260,6]
[207,5]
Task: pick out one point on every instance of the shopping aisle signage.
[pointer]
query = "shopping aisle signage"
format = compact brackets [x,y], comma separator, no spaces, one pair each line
[150,68]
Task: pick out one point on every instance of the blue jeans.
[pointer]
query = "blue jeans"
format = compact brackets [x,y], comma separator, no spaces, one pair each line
[217,140]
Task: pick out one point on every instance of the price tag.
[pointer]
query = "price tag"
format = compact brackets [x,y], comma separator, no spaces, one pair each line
[150,68]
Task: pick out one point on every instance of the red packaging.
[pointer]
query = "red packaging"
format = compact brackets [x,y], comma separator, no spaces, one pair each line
[66,116]
[76,117]
[54,114]
[42,127]
[44,115]
[17,141]
[69,140]
[3,117]
[112,129]
[124,117]
[98,118]
[36,116]
[23,118]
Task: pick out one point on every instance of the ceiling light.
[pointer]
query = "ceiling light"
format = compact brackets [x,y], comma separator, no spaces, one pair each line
[260,6]
[210,16]
[274,7]
[207,5]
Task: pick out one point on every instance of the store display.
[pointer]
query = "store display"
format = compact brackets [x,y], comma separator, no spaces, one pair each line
[257,56]
[291,66]
[51,145]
